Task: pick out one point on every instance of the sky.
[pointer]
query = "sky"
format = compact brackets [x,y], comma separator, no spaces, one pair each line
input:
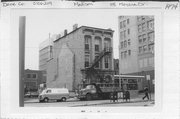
[41,22]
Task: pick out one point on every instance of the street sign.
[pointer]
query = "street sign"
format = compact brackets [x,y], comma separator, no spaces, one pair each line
[148,77]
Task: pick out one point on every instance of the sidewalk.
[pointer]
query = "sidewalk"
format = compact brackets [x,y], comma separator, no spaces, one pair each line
[121,101]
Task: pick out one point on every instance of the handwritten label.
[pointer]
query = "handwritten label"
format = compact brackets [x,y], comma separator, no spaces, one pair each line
[125,4]
[171,6]
[17,4]
[13,4]
[41,3]
[80,4]
[131,4]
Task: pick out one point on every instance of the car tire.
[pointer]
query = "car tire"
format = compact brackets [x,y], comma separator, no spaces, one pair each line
[63,99]
[46,99]
[88,97]
[58,100]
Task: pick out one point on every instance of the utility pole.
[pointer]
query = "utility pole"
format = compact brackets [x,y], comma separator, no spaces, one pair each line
[22,27]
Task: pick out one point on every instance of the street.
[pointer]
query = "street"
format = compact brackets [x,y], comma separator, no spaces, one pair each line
[74,102]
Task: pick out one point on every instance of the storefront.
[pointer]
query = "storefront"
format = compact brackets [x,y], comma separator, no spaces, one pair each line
[132,83]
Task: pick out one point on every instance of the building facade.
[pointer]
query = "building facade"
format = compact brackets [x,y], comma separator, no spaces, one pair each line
[136,53]
[75,52]
[116,66]
[45,53]
[33,79]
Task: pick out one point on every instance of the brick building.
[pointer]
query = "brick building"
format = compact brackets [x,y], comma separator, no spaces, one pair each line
[33,78]
[74,52]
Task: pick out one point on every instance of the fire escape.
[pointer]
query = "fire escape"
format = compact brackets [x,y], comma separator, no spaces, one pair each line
[91,73]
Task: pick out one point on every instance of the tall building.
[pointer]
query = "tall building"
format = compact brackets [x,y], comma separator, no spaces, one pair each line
[136,53]
[45,53]
[78,50]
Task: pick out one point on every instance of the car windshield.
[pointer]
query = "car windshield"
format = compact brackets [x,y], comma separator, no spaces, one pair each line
[89,87]
[43,91]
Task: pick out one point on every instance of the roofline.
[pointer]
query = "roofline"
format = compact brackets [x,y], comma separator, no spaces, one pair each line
[131,76]
[82,27]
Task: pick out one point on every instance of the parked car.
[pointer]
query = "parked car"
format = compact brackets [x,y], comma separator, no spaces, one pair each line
[31,94]
[58,94]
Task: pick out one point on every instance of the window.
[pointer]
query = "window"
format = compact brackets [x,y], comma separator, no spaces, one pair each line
[151,37]
[28,75]
[128,31]
[121,34]
[34,75]
[107,43]
[125,43]
[127,21]
[97,43]
[140,39]
[125,54]
[124,33]
[121,25]
[139,28]
[97,48]
[86,46]
[132,87]
[132,80]
[86,61]
[106,61]
[129,52]
[124,23]
[145,48]
[143,27]
[87,43]
[144,37]
[140,50]
[48,91]
[129,42]
[151,48]
[150,24]
[122,44]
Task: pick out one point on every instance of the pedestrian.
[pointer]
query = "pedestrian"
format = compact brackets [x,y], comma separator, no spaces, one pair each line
[146,90]
[127,93]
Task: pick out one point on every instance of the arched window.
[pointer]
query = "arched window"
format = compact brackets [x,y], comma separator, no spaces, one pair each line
[87,43]
[97,44]
[106,62]
[107,43]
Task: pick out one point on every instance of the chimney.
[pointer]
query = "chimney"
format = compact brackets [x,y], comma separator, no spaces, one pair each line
[75,26]
[65,32]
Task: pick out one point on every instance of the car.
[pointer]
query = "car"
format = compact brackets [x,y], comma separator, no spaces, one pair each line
[31,94]
[58,94]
